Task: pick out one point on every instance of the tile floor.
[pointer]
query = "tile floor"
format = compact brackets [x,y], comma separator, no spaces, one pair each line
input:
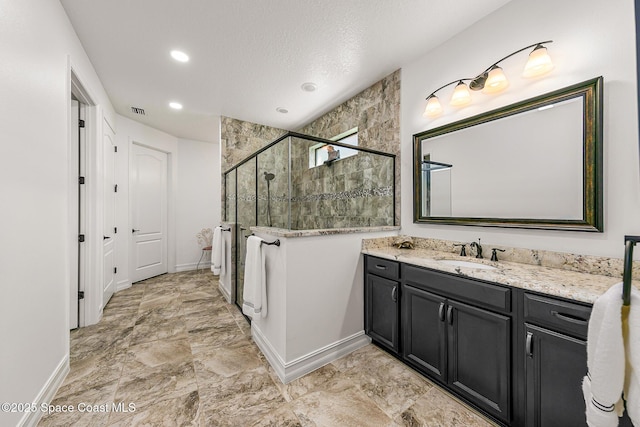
[176,350]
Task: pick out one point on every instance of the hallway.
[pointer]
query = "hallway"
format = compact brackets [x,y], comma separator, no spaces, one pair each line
[173,352]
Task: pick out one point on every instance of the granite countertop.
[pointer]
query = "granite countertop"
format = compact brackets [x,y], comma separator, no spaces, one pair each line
[573,285]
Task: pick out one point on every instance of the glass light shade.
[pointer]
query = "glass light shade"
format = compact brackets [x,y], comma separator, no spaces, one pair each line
[461,95]
[496,81]
[539,63]
[434,108]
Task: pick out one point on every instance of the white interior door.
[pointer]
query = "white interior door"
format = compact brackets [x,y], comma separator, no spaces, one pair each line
[149,212]
[109,230]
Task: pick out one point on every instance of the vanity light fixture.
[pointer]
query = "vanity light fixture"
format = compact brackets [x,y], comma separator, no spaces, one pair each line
[492,80]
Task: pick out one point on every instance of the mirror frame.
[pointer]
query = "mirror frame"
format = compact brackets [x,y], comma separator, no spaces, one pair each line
[592,213]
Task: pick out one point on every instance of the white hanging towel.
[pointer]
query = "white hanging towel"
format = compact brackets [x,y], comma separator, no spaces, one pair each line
[632,347]
[603,385]
[255,280]
[218,252]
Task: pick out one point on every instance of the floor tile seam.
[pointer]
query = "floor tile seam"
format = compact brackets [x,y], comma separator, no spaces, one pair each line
[165,396]
[450,396]
[80,388]
[117,387]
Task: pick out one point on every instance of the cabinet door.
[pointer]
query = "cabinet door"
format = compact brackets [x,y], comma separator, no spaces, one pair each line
[555,365]
[479,354]
[381,321]
[424,328]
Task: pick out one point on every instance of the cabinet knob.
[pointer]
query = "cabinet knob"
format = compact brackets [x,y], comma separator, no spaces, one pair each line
[381,267]
[441,312]
[394,294]
[450,315]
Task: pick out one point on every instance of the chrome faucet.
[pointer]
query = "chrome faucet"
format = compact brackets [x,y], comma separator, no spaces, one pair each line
[478,248]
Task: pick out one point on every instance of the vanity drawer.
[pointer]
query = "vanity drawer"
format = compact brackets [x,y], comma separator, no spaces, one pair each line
[476,292]
[559,315]
[383,267]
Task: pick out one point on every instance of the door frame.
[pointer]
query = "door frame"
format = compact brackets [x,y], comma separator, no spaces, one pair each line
[80,264]
[170,214]
[91,251]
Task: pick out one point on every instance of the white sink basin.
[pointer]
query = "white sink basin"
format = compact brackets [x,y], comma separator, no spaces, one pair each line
[467,264]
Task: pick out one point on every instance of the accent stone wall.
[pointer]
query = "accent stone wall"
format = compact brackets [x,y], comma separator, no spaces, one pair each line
[355,191]
[376,113]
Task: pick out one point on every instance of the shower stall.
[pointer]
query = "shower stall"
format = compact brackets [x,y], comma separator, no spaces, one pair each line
[300,182]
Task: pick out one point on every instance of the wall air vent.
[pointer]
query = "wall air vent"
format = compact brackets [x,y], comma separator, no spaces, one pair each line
[136,110]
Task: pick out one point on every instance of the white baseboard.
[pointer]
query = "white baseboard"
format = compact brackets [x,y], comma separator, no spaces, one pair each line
[225,293]
[122,285]
[192,266]
[289,371]
[31,419]
[269,352]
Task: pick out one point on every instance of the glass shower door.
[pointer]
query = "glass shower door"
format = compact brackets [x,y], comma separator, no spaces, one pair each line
[245,218]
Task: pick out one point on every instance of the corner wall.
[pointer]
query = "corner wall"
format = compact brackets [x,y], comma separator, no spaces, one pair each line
[197,199]
[590,38]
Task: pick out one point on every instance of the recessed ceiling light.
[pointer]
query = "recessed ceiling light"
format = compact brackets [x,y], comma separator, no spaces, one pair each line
[282,110]
[179,56]
[309,87]
[175,105]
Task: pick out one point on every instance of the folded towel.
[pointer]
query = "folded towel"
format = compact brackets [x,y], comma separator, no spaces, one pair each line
[217,257]
[603,385]
[631,329]
[255,280]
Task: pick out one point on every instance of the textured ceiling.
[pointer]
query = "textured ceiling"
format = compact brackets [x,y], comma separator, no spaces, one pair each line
[249,57]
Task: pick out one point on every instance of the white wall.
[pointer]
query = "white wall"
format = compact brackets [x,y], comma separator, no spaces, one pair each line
[591,38]
[197,199]
[315,301]
[37,43]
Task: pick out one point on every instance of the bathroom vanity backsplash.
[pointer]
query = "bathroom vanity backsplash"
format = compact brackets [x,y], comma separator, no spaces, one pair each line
[589,264]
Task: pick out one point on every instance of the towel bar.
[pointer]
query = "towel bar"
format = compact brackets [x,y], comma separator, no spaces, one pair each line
[274,243]
[225,229]
[629,243]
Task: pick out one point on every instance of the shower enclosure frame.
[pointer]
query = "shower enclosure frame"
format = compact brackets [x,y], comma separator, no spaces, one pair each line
[254,156]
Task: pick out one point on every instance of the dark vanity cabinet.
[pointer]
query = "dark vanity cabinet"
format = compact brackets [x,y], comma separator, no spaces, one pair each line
[555,354]
[458,332]
[382,302]
[516,355]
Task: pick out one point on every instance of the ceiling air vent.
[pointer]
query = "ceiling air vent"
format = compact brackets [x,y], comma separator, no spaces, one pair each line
[136,110]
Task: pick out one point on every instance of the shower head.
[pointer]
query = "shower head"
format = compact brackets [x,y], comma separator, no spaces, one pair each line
[269,176]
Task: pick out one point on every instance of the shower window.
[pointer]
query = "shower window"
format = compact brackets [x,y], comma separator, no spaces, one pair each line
[321,153]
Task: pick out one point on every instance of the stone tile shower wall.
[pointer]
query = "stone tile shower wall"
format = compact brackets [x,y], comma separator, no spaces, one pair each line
[274,161]
[239,140]
[376,113]
[355,191]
